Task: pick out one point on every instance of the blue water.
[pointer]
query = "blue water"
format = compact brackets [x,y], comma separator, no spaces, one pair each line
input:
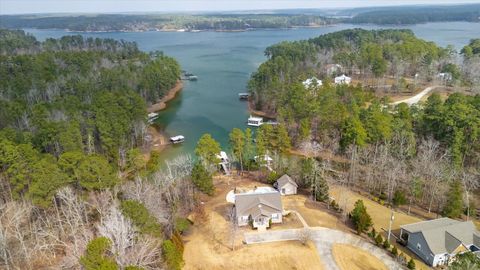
[224,61]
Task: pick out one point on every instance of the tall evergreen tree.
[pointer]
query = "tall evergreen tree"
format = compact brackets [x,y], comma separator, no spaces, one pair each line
[454,205]
[360,218]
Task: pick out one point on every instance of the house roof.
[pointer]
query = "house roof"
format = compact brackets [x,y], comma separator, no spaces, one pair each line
[445,235]
[256,204]
[282,181]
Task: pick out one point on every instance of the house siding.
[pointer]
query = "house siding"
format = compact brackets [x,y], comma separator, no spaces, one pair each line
[416,240]
[288,189]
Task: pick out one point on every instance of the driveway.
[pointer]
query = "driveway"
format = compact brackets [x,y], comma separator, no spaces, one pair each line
[324,239]
[415,99]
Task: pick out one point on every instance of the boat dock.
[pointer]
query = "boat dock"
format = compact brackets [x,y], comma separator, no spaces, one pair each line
[243,96]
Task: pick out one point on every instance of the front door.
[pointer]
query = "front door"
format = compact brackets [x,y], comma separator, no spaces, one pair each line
[283,191]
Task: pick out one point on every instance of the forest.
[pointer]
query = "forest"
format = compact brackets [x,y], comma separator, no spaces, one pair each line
[72,124]
[427,154]
[122,22]
[417,14]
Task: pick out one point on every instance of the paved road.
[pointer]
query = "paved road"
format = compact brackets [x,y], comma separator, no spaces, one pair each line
[324,238]
[415,99]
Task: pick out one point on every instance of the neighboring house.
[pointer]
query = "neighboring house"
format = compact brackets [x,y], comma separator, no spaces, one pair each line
[312,82]
[285,185]
[438,241]
[343,79]
[332,69]
[445,76]
[258,208]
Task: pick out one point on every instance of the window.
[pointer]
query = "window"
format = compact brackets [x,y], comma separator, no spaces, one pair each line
[419,246]
[274,216]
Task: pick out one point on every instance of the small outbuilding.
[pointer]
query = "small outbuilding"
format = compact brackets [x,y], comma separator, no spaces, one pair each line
[285,185]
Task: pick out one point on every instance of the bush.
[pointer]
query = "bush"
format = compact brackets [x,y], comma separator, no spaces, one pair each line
[138,213]
[402,259]
[411,264]
[372,233]
[386,244]
[182,224]
[96,257]
[382,196]
[378,240]
[399,198]
[173,256]
[394,251]
[272,177]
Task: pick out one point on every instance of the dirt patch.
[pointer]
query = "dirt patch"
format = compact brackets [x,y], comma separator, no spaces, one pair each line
[162,103]
[155,140]
[351,258]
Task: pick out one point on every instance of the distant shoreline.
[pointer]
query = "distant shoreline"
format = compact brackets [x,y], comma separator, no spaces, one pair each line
[179,30]
[162,103]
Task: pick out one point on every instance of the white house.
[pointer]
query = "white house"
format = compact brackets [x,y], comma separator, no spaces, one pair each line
[285,185]
[343,79]
[438,241]
[258,209]
[312,82]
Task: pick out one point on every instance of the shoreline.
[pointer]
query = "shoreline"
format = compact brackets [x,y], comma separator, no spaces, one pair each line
[156,138]
[259,113]
[162,103]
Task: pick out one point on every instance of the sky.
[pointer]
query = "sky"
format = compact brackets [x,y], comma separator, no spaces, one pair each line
[112,6]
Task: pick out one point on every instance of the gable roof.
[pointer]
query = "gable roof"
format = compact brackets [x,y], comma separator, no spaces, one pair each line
[284,180]
[444,235]
[256,204]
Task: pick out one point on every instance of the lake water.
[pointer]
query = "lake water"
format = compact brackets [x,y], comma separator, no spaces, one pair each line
[223,61]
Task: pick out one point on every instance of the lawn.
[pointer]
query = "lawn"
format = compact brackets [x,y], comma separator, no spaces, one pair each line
[351,258]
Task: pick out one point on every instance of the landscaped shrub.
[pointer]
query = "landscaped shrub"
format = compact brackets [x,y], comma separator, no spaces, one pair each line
[378,240]
[386,244]
[394,251]
[141,218]
[173,256]
[411,264]
[372,233]
[402,259]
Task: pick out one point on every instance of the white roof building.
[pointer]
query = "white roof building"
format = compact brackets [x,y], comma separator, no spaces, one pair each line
[312,82]
[343,79]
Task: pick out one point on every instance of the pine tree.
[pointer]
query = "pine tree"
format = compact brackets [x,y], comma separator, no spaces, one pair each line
[454,205]
[361,219]
[321,188]
[237,142]
[202,178]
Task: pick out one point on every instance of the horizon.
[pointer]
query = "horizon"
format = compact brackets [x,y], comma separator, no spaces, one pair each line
[25,7]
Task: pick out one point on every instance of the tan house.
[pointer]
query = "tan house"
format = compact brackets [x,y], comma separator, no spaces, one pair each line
[438,241]
[258,209]
[285,185]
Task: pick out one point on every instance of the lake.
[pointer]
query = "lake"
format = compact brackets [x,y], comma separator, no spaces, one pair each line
[223,61]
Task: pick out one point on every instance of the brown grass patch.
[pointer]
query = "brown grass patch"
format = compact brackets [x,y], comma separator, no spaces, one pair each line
[351,258]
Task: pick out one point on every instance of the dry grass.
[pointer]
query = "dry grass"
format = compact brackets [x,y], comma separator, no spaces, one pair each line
[380,216]
[351,258]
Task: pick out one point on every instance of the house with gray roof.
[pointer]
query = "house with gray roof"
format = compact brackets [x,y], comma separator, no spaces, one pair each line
[438,241]
[258,208]
[285,185]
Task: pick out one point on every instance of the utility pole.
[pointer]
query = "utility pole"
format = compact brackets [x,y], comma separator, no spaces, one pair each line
[392,217]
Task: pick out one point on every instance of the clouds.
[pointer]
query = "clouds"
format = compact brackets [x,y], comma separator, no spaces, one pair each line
[99,6]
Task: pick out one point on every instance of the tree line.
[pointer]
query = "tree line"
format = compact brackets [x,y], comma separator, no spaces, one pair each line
[75,188]
[122,22]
